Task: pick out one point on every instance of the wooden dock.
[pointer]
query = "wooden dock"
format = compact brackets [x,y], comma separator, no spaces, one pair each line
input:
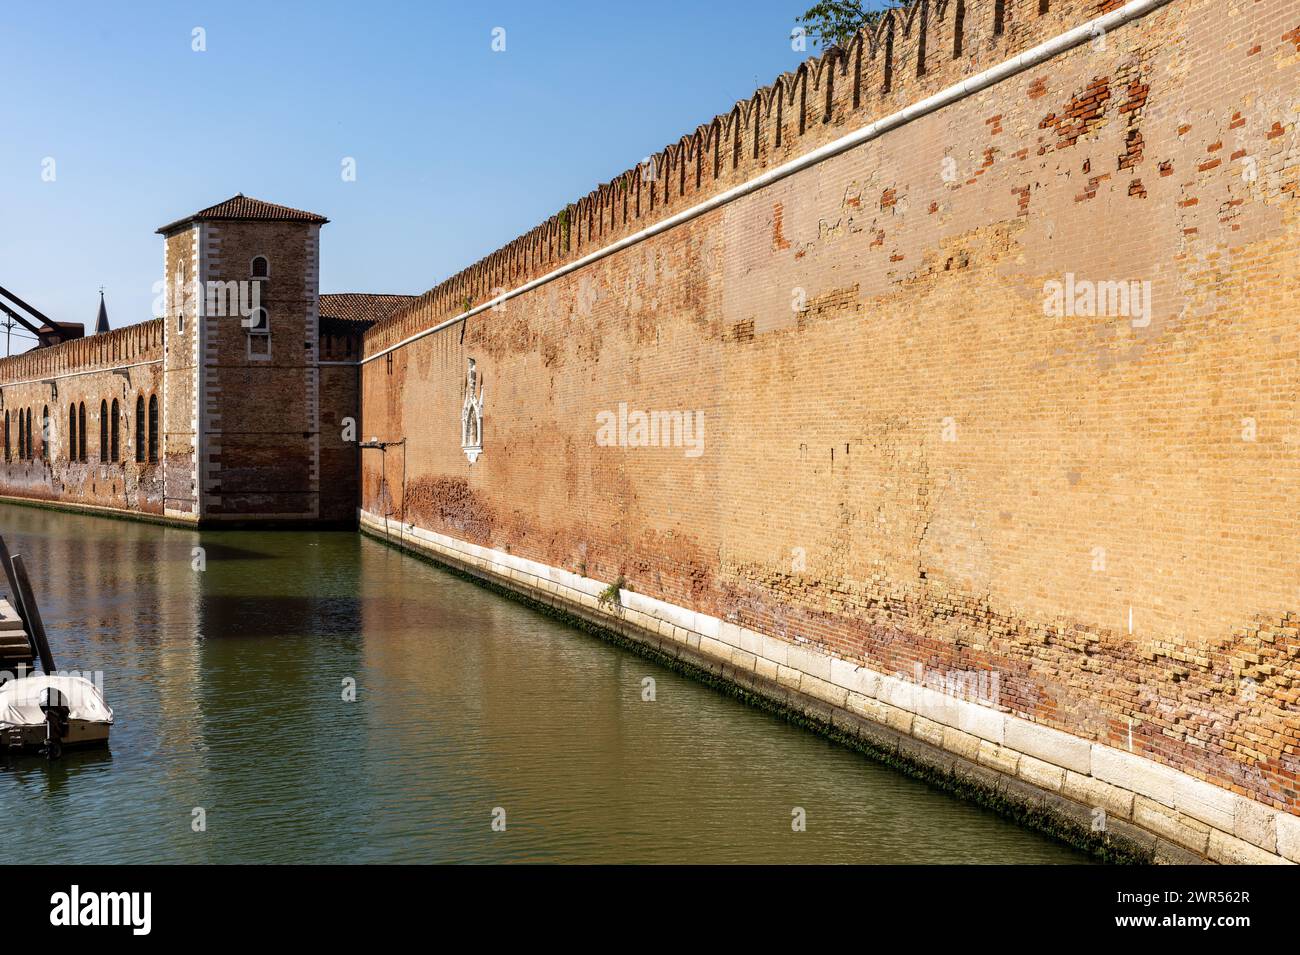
[16,646]
[22,634]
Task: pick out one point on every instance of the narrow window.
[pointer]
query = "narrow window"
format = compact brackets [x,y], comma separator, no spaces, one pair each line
[153,429]
[45,432]
[6,436]
[999,16]
[261,268]
[114,447]
[81,431]
[139,428]
[958,22]
[258,322]
[72,432]
[30,452]
[103,431]
[21,454]
[1042,6]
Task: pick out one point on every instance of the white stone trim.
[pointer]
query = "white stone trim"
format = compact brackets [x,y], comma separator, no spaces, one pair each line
[1180,808]
[311,289]
[207,389]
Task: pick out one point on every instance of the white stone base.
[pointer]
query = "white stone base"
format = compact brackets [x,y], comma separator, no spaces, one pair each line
[1196,816]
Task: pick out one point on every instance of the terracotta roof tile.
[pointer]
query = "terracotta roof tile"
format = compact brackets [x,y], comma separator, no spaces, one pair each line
[360,307]
[246,208]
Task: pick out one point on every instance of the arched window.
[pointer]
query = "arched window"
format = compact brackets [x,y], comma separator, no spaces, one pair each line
[114,448]
[30,455]
[45,432]
[103,431]
[261,268]
[6,436]
[21,454]
[259,323]
[81,431]
[139,428]
[153,429]
[72,432]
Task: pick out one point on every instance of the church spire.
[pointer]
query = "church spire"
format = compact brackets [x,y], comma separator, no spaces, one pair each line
[101,321]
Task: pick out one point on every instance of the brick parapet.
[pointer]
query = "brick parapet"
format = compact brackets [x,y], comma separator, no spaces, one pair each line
[912,52]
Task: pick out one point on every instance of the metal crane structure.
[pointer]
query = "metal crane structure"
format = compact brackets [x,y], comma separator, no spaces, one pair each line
[46,330]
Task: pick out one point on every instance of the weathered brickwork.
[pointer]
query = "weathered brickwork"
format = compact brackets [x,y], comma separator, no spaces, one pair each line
[230,408]
[183,259]
[908,459]
[1004,393]
[340,400]
[260,392]
[54,387]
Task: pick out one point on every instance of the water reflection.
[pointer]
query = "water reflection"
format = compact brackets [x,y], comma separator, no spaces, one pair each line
[229,684]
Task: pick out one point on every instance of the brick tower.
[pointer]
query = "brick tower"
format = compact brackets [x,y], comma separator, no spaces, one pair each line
[241,367]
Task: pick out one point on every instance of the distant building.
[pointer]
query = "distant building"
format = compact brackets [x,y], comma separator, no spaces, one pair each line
[239,405]
[55,333]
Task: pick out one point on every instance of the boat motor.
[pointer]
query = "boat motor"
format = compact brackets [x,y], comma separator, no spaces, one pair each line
[55,707]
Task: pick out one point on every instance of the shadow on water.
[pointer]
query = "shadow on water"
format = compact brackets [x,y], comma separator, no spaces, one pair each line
[226,616]
[55,774]
[319,697]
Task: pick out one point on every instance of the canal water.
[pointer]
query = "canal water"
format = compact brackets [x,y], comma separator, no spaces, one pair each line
[228,684]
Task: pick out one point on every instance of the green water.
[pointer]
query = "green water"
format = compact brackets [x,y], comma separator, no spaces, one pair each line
[228,687]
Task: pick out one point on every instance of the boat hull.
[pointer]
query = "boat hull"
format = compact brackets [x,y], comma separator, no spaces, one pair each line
[30,738]
[86,718]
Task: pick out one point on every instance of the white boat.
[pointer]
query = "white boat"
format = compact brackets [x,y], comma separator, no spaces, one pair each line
[45,711]
[51,712]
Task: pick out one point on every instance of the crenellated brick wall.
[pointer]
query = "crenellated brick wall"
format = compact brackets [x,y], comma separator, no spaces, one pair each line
[911,53]
[1001,396]
[234,434]
[124,365]
[909,458]
[122,346]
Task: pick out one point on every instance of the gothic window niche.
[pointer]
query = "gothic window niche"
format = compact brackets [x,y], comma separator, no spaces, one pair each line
[471,415]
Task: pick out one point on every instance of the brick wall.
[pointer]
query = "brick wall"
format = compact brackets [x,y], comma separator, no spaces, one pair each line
[340,400]
[906,460]
[122,366]
[183,265]
[261,392]
[238,415]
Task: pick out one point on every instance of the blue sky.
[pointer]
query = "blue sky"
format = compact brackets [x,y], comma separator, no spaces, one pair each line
[458,148]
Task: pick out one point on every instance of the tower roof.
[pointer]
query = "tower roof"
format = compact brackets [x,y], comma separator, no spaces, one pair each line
[101,320]
[242,208]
